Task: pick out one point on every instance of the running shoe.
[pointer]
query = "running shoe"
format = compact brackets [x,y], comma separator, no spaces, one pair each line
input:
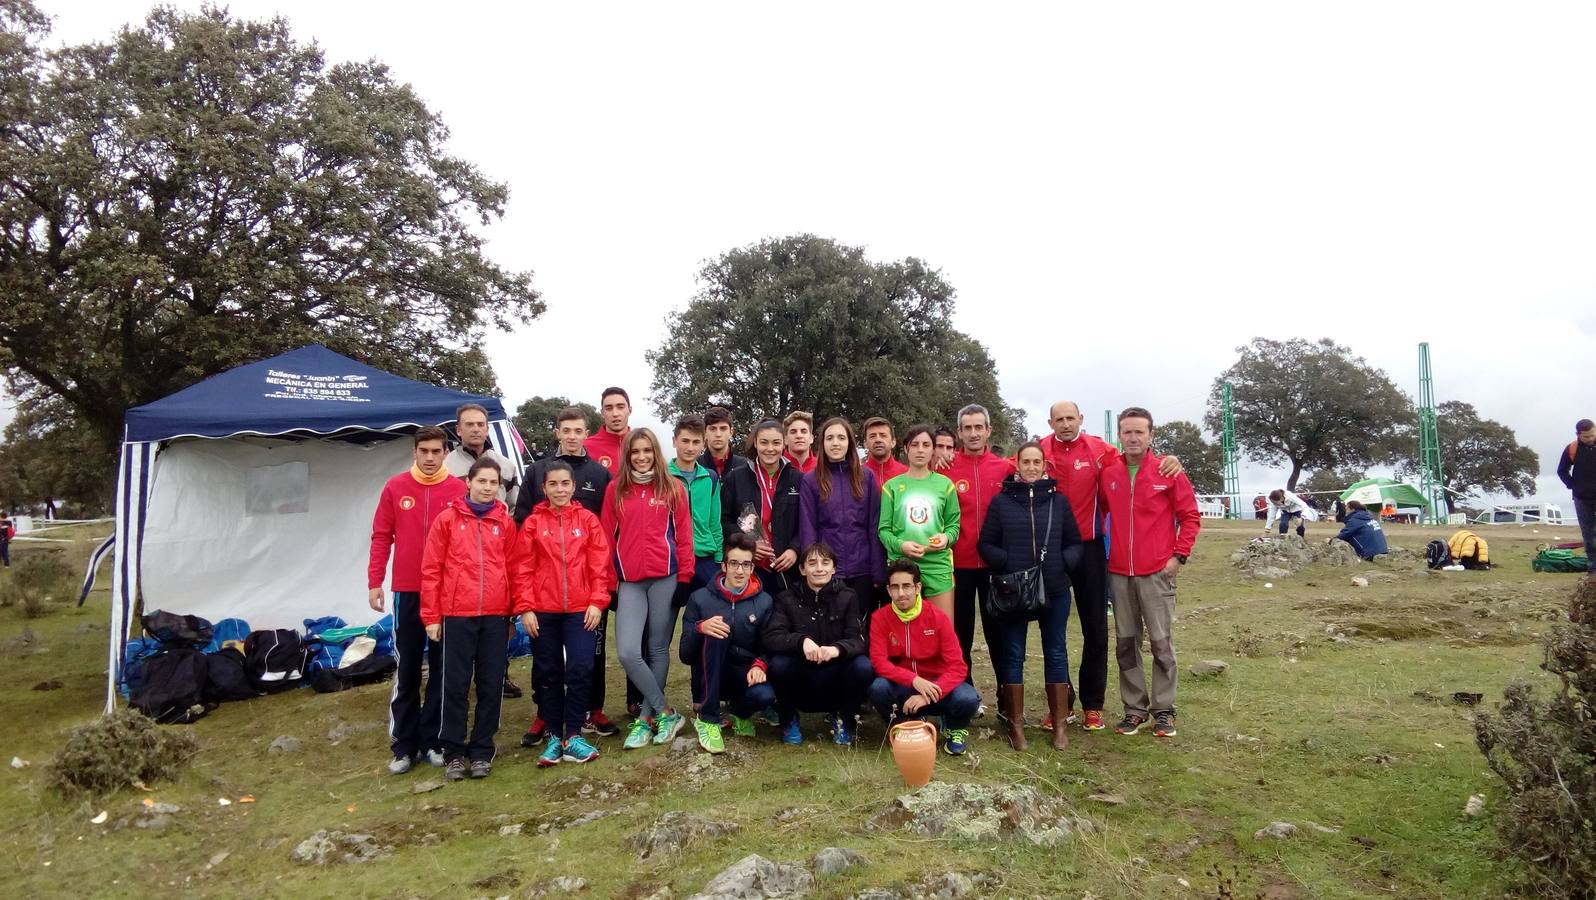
[1094,720]
[578,750]
[791,733]
[434,758]
[599,724]
[455,769]
[668,726]
[511,690]
[1164,723]
[767,716]
[709,736]
[551,754]
[841,732]
[535,734]
[1130,724]
[957,738]
[638,735]
[742,727]
[481,768]
[400,765]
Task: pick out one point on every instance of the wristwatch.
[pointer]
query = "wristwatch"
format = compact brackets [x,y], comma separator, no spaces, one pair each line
[1181,558]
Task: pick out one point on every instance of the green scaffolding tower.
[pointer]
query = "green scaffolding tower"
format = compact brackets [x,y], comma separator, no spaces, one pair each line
[1110,433]
[1227,443]
[1430,483]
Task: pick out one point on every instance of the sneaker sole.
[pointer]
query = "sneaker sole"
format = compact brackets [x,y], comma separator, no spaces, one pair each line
[548,763]
[579,759]
[1118,730]
[952,752]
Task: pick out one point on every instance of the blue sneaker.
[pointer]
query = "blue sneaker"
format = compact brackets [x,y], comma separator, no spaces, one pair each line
[957,738]
[842,732]
[551,753]
[767,716]
[791,733]
[578,750]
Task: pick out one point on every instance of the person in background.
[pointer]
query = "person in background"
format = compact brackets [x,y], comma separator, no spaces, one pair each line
[1030,525]
[1260,507]
[589,480]
[721,642]
[562,573]
[649,523]
[718,453]
[946,444]
[466,605]
[977,475]
[762,501]
[816,650]
[615,413]
[1284,506]
[879,443]
[8,530]
[1576,468]
[406,508]
[840,505]
[471,425]
[799,433]
[915,655]
[920,520]
[1362,531]
[1153,520]
[703,495]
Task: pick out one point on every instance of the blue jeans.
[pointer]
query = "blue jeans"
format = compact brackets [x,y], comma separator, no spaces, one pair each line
[956,707]
[1285,521]
[1585,512]
[562,671]
[1008,644]
[719,678]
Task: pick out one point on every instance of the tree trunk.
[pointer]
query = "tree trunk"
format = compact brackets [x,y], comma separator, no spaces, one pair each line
[1296,472]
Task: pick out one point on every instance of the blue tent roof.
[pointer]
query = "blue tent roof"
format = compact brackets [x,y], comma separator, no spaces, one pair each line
[309,389]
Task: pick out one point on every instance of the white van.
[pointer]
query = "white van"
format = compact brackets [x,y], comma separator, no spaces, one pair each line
[1521,514]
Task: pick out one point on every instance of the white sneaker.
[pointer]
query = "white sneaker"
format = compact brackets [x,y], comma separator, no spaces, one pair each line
[1452,568]
[434,758]
[399,765]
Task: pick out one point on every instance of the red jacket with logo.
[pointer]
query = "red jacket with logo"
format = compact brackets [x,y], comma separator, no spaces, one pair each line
[405,510]
[926,647]
[1150,524]
[465,570]
[889,469]
[977,479]
[650,539]
[562,560]
[1076,466]
[807,465]
[606,448]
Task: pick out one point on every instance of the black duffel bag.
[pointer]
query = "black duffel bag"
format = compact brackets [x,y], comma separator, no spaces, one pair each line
[172,691]
[173,630]
[275,659]
[227,677]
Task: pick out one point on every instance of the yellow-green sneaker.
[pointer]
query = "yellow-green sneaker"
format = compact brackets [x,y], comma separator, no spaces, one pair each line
[709,736]
[667,726]
[742,727]
[638,735]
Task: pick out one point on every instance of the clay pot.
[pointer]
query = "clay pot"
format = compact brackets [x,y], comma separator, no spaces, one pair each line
[914,749]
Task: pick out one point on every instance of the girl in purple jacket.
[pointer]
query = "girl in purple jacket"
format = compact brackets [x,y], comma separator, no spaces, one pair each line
[839,503]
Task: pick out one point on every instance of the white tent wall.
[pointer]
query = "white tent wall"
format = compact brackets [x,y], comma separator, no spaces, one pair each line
[269,531]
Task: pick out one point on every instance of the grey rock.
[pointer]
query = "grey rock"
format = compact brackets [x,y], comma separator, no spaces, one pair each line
[684,745]
[284,744]
[947,886]
[1359,581]
[1209,667]
[327,847]
[155,822]
[754,877]
[559,884]
[832,860]
[1275,831]
[423,787]
[675,830]
[1475,806]
[983,813]
[511,830]
[341,731]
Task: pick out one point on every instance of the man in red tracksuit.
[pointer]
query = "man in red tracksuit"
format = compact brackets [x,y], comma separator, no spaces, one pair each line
[919,670]
[409,502]
[879,441]
[977,474]
[1153,522]
[1074,460]
[615,412]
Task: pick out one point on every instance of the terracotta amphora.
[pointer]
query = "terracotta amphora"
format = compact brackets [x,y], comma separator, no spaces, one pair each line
[914,749]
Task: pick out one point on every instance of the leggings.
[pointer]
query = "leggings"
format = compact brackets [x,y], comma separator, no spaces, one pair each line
[646,613]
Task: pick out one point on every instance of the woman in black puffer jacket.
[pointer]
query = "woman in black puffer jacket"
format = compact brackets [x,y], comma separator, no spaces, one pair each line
[1030,522]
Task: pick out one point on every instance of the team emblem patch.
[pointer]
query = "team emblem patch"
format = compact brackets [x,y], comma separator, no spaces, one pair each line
[576,532]
[962,485]
[604,461]
[407,503]
[918,511]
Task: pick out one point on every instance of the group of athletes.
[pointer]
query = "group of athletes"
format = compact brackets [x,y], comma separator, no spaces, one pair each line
[807,579]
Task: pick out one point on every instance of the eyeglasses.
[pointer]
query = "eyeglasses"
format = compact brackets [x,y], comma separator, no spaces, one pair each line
[743,566]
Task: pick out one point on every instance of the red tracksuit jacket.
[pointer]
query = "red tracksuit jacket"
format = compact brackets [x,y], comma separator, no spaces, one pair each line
[1148,526]
[926,647]
[650,540]
[606,448]
[1076,467]
[405,511]
[977,479]
[562,560]
[466,568]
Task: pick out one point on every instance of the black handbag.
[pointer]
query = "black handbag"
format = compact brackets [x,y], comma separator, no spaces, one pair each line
[1018,596]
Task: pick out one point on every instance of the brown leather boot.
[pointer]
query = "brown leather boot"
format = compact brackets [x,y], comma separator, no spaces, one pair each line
[1011,706]
[1060,698]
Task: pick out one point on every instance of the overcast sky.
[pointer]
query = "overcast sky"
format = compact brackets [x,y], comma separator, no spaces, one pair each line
[1121,194]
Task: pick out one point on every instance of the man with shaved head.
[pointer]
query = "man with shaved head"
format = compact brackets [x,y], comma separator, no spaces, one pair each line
[1074,460]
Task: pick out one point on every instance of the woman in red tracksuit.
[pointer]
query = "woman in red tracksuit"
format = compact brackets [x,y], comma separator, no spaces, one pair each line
[647,519]
[562,570]
[466,604]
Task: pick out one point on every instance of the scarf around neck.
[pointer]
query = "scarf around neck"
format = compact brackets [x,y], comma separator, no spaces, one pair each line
[643,477]
[913,613]
[415,472]
[481,509]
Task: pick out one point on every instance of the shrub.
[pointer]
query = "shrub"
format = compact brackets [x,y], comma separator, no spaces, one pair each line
[116,750]
[1545,754]
[35,580]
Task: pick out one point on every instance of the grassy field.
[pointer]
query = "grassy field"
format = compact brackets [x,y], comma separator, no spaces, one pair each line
[1359,736]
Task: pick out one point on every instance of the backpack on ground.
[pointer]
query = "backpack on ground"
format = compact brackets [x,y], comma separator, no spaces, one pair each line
[367,670]
[1437,554]
[172,690]
[275,659]
[227,630]
[1553,559]
[227,677]
[134,655]
[173,630]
